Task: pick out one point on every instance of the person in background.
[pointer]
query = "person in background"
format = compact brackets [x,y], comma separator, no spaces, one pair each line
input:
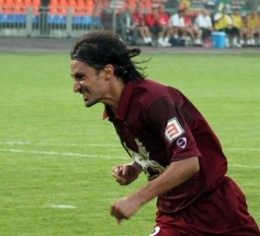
[126,27]
[151,20]
[253,27]
[192,32]
[166,138]
[164,35]
[236,26]
[143,29]
[177,27]
[258,28]
[244,31]
[223,23]
[203,22]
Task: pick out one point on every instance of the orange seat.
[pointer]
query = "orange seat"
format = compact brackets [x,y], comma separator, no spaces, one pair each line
[130,4]
[18,7]
[63,3]
[62,10]
[9,3]
[81,3]
[10,7]
[36,3]
[27,3]
[54,3]
[53,10]
[80,8]
[72,3]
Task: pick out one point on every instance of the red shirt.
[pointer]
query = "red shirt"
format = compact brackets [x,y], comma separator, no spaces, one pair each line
[150,20]
[157,125]
[163,19]
[138,19]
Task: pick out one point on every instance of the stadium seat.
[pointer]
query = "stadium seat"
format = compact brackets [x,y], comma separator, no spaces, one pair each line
[36,3]
[8,6]
[86,20]
[72,4]
[3,18]
[76,20]
[35,19]
[18,6]
[96,20]
[80,8]
[11,18]
[89,7]
[56,19]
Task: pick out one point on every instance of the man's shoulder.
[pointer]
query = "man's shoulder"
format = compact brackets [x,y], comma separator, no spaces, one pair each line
[153,90]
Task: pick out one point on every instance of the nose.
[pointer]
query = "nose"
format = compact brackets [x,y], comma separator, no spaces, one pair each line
[76,86]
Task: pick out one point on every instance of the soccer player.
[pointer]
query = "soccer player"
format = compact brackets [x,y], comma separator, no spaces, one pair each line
[167,138]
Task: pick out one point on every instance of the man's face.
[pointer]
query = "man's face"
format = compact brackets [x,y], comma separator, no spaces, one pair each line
[91,84]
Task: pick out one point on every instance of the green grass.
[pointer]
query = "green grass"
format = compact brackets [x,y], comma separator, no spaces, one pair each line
[54,151]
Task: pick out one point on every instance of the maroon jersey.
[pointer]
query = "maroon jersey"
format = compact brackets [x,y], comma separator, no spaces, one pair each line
[157,125]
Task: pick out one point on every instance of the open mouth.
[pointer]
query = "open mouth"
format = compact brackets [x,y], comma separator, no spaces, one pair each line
[85,97]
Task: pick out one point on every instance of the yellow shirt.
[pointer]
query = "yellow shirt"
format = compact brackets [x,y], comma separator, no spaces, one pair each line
[222,23]
[252,22]
[236,21]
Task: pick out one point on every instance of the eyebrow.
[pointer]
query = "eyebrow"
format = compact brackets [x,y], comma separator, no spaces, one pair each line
[78,74]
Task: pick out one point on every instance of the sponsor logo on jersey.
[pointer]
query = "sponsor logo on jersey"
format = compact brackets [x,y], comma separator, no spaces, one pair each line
[181,142]
[173,129]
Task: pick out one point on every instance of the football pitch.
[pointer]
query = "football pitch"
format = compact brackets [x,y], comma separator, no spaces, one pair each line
[56,156]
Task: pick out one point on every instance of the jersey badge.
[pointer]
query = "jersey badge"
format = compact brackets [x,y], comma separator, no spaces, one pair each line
[173,129]
[181,142]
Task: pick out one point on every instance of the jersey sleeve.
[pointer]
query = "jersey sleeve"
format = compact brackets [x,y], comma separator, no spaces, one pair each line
[169,122]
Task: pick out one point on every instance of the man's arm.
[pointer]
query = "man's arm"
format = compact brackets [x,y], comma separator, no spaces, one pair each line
[176,173]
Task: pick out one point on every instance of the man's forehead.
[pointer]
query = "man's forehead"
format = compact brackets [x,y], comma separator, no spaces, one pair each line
[79,65]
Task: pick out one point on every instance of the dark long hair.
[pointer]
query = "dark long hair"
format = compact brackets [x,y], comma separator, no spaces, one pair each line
[99,48]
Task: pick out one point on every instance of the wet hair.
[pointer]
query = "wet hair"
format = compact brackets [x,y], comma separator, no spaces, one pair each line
[99,48]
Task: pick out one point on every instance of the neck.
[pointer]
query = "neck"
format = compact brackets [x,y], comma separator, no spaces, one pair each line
[114,96]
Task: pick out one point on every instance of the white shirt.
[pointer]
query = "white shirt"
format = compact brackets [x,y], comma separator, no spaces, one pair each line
[176,20]
[203,21]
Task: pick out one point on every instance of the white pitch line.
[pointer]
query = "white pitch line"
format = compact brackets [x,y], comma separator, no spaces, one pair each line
[71,154]
[52,153]
[245,166]
[250,149]
[64,206]
[24,143]
[27,143]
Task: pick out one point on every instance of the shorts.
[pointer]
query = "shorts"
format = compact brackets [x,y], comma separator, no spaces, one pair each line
[223,211]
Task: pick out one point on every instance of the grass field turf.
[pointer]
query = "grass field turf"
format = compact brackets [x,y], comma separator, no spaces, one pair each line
[54,151]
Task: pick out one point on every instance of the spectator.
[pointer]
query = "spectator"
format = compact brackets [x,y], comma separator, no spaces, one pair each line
[244,31]
[163,20]
[177,26]
[152,21]
[253,28]
[204,23]
[181,26]
[126,27]
[138,18]
[258,28]
[236,26]
[193,32]
[223,23]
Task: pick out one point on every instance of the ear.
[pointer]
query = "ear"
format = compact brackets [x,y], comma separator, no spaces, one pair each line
[109,70]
